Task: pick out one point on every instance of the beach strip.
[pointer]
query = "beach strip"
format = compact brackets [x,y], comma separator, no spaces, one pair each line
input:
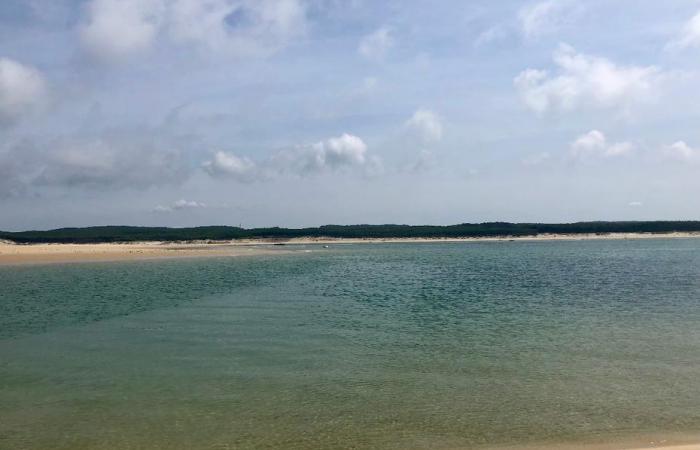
[13,254]
[27,254]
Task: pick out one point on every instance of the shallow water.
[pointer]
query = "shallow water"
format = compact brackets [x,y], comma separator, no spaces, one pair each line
[399,346]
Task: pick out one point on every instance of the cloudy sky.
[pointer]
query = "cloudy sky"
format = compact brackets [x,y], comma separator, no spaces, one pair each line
[307,112]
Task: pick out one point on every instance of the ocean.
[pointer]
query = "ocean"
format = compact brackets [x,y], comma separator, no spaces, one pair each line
[368,346]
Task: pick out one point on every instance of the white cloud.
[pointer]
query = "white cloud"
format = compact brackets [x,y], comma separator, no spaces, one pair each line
[635,204]
[426,124]
[179,205]
[22,90]
[594,144]
[115,30]
[544,17]
[343,152]
[585,81]
[334,153]
[230,165]
[680,151]
[689,35]
[244,27]
[376,45]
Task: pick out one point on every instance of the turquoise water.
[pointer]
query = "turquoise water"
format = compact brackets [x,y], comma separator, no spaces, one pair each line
[397,346]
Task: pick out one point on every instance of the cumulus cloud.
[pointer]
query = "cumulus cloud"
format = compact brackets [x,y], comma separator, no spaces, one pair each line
[689,35]
[178,206]
[426,124]
[680,151]
[115,30]
[230,165]
[544,17]
[338,153]
[376,45]
[594,144]
[346,150]
[584,81]
[22,90]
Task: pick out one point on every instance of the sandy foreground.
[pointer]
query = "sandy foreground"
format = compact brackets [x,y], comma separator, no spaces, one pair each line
[13,254]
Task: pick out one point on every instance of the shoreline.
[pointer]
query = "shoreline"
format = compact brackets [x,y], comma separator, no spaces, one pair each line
[39,254]
[534,238]
[662,445]
[24,254]
[658,440]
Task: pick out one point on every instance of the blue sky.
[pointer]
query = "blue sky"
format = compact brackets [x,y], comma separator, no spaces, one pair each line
[307,112]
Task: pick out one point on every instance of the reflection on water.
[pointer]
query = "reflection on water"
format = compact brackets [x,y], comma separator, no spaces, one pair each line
[375,346]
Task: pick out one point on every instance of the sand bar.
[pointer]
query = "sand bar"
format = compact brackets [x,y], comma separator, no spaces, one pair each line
[13,254]
[539,237]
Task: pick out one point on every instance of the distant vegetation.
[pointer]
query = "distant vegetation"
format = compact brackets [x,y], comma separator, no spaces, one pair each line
[131,234]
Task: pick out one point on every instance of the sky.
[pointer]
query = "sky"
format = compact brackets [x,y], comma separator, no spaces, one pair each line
[309,112]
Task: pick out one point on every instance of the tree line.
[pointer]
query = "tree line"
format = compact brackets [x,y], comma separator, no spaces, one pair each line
[225,233]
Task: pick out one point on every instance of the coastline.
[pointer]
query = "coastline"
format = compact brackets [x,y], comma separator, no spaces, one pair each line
[23,254]
[678,443]
[534,238]
[673,440]
[31,254]
[612,446]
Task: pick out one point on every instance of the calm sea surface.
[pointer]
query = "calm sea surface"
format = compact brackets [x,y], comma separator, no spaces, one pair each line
[397,346]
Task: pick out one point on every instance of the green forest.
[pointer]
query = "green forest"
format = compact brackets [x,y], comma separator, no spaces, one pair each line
[216,233]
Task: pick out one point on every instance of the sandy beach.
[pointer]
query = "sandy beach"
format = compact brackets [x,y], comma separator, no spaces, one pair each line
[12,254]
[15,254]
